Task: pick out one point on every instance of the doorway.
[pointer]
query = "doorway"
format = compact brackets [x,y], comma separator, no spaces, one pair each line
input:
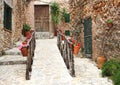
[88,37]
[41,18]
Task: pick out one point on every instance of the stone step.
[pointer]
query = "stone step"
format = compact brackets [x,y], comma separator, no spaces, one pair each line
[13,51]
[12,59]
[43,35]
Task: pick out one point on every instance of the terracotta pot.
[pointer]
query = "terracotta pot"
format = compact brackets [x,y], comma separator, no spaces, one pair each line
[110,25]
[100,61]
[27,33]
[28,36]
[76,50]
[24,51]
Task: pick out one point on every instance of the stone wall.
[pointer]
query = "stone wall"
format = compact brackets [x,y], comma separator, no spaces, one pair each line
[29,14]
[18,19]
[1,26]
[104,42]
[8,38]
[5,39]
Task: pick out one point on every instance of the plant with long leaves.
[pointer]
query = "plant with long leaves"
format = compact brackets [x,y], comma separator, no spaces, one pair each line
[55,12]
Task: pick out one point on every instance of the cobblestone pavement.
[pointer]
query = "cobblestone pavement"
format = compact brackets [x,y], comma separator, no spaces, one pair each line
[49,69]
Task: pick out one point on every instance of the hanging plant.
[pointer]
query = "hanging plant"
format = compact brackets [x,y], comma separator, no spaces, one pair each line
[55,12]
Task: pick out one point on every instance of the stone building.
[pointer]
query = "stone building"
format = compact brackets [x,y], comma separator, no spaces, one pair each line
[90,16]
[12,17]
[14,13]
[40,18]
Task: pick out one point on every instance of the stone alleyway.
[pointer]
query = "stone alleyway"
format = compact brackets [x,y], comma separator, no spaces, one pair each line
[49,69]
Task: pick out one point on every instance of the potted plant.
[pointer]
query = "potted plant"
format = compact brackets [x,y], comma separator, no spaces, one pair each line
[26,30]
[55,15]
[109,23]
[101,59]
[76,34]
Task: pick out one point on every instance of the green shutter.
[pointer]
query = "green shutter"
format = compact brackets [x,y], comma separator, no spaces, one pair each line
[7,17]
[88,36]
[67,17]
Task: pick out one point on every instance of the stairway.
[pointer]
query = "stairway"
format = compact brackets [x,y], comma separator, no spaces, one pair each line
[12,66]
[12,56]
[43,35]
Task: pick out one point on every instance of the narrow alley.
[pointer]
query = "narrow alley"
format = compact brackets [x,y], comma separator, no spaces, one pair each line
[59,42]
[49,68]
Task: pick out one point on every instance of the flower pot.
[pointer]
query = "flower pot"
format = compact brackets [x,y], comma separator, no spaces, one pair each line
[76,50]
[27,33]
[110,25]
[24,51]
[28,36]
[100,61]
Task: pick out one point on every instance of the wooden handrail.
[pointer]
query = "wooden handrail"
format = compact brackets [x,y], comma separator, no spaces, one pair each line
[66,49]
[31,43]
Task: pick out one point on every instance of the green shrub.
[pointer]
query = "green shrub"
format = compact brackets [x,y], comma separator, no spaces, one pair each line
[110,67]
[116,77]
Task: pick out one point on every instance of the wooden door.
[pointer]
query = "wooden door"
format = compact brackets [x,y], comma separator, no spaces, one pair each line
[88,37]
[42,18]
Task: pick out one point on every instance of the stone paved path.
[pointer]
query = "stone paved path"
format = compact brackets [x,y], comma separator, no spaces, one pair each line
[48,66]
[49,69]
[87,73]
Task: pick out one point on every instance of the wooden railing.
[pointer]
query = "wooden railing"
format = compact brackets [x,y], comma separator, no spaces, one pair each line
[66,48]
[31,44]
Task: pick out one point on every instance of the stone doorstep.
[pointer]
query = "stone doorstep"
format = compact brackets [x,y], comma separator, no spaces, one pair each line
[13,51]
[12,60]
[43,35]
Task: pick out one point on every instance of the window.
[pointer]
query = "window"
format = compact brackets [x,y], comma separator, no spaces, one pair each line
[7,17]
